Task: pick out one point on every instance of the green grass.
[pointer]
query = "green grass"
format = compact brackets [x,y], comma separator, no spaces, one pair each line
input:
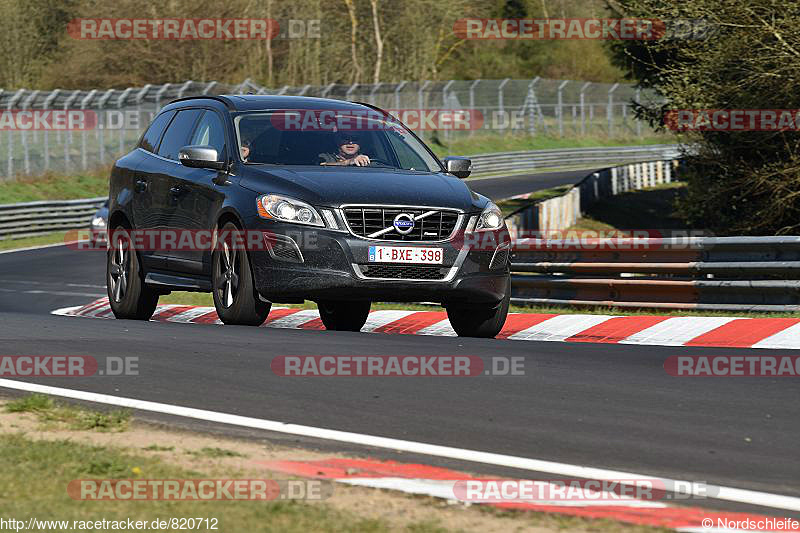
[215,453]
[57,237]
[51,413]
[157,448]
[34,475]
[52,186]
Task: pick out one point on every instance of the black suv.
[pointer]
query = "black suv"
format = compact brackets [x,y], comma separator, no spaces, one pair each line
[347,205]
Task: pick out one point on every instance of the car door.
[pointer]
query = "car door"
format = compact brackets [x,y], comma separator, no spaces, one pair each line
[164,173]
[150,207]
[200,198]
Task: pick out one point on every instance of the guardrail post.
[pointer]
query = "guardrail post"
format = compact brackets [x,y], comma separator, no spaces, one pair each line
[375,88]
[11,103]
[561,108]
[421,104]
[46,105]
[610,109]
[500,106]
[638,120]
[532,102]
[583,106]
[349,91]
[25,105]
[120,102]
[84,103]
[444,104]
[397,94]
[472,101]
[102,105]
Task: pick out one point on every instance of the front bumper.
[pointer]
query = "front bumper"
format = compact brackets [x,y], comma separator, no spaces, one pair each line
[334,265]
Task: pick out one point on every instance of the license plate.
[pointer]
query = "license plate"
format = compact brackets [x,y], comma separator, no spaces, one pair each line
[400,254]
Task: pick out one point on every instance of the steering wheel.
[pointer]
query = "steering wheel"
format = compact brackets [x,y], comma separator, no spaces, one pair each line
[379,162]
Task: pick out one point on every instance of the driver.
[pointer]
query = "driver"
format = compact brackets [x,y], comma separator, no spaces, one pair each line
[348,153]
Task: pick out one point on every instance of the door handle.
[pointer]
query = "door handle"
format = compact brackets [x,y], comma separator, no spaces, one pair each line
[141,185]
[176,191]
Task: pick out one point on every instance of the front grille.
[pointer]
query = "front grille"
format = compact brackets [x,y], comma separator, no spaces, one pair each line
[365,221]
[404,272]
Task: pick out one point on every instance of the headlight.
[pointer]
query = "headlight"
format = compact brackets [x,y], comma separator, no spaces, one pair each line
[98,222]
[491,219]
[287,210]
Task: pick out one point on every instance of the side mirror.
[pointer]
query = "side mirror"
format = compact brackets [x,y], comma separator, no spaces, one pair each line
[200,157]
[458,166]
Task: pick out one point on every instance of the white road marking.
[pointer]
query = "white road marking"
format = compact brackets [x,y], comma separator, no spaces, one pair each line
[559,327]
[440,329]
[443,488]
[677,331]
[789,339]
[377,319]
[39,247]
[65,293]
[294,320]
[751,497]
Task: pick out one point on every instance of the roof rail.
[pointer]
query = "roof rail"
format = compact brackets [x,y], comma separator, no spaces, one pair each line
[222,99]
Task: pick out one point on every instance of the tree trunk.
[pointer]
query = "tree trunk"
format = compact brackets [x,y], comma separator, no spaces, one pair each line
[376,78]
[356,73]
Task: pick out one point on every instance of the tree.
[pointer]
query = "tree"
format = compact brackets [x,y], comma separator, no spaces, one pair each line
[745,54]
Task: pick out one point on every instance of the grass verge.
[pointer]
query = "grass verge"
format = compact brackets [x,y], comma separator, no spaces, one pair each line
[53,186]
[51,413]
[57,237]
[37,466]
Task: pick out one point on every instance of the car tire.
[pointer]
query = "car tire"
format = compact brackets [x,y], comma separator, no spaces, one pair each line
[343,315]
[128,295]
[484,322]
[233,287]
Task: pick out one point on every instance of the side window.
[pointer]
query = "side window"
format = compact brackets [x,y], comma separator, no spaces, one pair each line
[407,157]
[151,137]
[177,135]
[210,132]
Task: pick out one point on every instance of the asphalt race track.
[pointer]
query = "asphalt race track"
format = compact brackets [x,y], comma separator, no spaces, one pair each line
[599,405]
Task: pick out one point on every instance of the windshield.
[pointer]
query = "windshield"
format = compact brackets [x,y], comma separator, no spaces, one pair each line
[330,138]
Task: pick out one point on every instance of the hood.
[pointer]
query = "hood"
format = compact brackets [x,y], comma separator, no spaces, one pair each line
[335,186]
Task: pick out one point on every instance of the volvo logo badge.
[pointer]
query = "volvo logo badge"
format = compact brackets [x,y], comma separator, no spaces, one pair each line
[403,223]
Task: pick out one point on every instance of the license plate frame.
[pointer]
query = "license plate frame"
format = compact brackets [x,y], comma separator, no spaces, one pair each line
[407,255]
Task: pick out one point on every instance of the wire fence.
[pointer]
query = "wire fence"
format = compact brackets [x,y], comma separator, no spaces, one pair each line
[37,135]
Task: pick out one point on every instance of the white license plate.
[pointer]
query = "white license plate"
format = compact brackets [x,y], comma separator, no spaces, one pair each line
[405,254]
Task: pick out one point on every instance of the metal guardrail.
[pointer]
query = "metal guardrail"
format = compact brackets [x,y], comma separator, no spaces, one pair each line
[711,273]
[33,218]
[571,158]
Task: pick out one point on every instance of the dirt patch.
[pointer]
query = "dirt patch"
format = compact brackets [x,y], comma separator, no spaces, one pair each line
[219,457]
